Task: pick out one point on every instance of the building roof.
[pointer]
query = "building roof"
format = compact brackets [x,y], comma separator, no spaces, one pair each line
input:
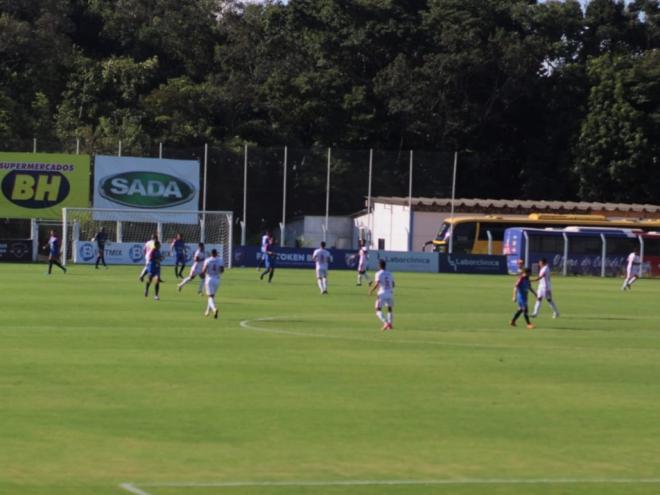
[515,205]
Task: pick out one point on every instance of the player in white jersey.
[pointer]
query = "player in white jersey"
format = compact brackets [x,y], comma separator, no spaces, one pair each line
[266,240]
[213,268]
[196,269]
[385,286]
[147,249]
[544,290]
[633,270]
[322,258]
[363,258]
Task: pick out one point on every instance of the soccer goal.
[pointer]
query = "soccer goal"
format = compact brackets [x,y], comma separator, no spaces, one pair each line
[127,230]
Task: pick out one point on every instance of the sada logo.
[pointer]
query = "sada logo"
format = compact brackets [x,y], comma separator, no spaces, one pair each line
[146,190]
[30,189]
[86,251]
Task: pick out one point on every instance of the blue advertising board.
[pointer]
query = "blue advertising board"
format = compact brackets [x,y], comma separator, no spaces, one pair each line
[293,257]
[472,263]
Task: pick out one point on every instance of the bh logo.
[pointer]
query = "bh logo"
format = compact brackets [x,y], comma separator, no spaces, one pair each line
[86,251]
[135,253]
[35,189]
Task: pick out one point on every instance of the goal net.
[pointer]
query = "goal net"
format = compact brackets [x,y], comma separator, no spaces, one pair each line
[127,230]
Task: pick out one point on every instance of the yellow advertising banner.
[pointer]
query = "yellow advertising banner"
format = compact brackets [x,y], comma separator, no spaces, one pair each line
[39,185]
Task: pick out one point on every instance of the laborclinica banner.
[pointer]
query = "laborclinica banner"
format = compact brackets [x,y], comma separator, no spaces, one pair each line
[39,185]
[149,185]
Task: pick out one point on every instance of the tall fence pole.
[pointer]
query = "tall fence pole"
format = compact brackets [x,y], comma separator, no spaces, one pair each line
[160,150]
[369,212]
[34,145]
[119,148]
[283,223]
[453,198]
[327,199]
[77,146]
[244,222]
[410,206]
[206,166]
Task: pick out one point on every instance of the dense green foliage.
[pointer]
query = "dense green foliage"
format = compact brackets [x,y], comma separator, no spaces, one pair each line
[558,101]
[101,386]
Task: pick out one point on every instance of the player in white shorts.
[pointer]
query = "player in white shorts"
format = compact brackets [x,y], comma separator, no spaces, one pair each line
[322,258]
[385,286]
[633,270]
[544,289]
[196,269]
[213,268]
[363,258]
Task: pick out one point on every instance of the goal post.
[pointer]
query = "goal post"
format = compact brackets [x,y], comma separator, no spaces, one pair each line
[128,229]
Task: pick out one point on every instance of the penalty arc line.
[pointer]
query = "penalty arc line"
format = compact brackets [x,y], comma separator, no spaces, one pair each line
[249,325]
[131,488]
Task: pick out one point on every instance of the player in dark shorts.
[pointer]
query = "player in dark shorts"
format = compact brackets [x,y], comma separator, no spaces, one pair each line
[153,271]
[101,237]
[179,251]
[53,247]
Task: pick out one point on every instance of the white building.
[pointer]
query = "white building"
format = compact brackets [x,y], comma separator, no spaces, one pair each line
[392,225]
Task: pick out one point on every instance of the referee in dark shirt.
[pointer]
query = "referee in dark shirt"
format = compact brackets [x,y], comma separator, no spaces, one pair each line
[101,237]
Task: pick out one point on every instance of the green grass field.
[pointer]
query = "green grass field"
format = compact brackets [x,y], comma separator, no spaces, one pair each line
[293,393]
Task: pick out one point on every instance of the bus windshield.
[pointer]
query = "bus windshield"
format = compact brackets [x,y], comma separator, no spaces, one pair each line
[443,233]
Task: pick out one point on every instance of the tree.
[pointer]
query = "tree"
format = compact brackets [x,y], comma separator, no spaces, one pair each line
[617,152]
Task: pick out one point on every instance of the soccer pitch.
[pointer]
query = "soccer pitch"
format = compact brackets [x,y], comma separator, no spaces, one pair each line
[290,392]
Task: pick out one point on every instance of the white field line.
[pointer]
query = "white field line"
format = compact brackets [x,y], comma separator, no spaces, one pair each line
[462,481]
[131,488]
[250,325]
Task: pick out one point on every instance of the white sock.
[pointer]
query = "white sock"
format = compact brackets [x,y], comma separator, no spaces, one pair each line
[211,304]
[390,317]
[380,316]
[359,279]
[553,306]
[325,284]
[320,284]
[201,286]
[632,281]
[537,307]
[184,281]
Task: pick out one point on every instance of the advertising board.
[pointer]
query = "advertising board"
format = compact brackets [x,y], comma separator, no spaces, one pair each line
[131,253]
[472,263]
[151,185]
[16,251]
[39,185]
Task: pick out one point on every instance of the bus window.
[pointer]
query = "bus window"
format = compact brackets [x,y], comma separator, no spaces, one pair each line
[621,245]
[464,237]
[443,233]
[586,245]
[651,247]
[546,244]
[496,231]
